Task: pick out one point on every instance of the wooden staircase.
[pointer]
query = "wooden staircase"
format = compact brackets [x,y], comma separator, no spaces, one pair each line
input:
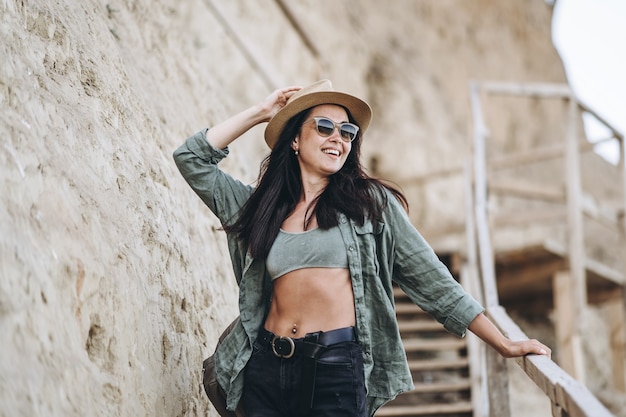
[439,365]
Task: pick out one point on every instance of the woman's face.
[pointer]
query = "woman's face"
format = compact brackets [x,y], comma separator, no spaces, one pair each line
[321,156]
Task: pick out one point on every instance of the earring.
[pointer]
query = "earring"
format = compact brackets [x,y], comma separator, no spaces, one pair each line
[297,152]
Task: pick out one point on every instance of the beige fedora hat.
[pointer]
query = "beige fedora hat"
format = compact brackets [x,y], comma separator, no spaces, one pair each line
[320,92]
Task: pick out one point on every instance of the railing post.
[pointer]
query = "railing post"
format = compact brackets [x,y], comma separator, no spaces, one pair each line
[567,338]
[622,166]
[497,370]
[616,313]
[476,349]
[577,279]
[485,250]
[557,411]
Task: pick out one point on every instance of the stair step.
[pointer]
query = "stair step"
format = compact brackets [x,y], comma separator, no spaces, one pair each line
[419,326]
[408,308]
[421,410]
[437,364]
[447,386]
[399,294]
[414,323]
[418,345]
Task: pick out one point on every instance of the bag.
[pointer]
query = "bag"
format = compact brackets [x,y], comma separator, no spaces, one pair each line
[213,390]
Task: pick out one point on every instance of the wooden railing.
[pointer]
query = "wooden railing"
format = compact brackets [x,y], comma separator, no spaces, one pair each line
[568,396]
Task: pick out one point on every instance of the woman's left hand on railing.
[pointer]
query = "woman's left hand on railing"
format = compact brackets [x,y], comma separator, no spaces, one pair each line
[482,327]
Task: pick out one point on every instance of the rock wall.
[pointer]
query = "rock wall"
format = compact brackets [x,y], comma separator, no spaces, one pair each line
[114,278]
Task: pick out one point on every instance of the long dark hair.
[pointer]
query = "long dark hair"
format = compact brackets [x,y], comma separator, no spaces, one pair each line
[279,187]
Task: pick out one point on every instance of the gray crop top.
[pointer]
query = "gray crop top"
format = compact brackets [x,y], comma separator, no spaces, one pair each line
[314,248]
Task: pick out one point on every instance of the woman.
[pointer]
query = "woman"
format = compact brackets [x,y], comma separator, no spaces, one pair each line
[315,248]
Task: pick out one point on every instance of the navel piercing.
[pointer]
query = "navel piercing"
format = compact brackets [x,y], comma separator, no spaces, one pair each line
[294,329]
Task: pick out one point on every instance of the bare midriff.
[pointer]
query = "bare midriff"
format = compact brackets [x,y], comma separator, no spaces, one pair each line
[309,300]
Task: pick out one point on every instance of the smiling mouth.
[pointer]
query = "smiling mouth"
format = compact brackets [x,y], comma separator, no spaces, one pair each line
[334,152]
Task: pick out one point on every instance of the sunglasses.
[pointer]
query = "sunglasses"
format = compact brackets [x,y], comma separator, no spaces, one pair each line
[325,127]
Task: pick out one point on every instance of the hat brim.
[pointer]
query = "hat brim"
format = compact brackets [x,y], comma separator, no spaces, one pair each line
[359,110]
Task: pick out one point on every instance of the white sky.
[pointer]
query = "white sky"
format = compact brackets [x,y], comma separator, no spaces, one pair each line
[590,36]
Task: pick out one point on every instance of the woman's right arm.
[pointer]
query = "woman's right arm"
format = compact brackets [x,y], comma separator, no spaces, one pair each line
[198,157]
[223,134]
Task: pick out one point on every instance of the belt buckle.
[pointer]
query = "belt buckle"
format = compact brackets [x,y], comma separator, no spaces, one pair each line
[292,346]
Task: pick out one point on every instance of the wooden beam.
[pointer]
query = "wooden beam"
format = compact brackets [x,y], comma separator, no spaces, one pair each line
[576,250]
[548,90]
[497,383]
[470,272]
[606,216]
[476,350]
[616,316]
[557,411]
[527,275]
[622,166]
[591,266]
[568,335]
[530,156]
[618,135]
[573,285]
[439,174]
[543,153]
[601,270]
[507,161]
[485,250]
[529,190]
[531,216]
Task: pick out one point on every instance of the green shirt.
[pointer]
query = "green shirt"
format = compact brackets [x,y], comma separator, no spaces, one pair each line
[378,253]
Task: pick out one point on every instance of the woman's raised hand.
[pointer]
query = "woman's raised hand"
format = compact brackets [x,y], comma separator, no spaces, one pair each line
[277,100]
[222,134]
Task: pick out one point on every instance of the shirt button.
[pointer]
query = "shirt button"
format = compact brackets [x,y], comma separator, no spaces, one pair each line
[343,220]
[351,248]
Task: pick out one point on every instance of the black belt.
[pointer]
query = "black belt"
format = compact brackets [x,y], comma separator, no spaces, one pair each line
[286,347]
[309,348]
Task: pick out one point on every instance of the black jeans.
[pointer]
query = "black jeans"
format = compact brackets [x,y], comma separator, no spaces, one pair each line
[272,384]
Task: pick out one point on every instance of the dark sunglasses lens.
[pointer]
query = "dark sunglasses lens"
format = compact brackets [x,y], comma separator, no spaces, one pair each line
[348,131]
[325,127]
